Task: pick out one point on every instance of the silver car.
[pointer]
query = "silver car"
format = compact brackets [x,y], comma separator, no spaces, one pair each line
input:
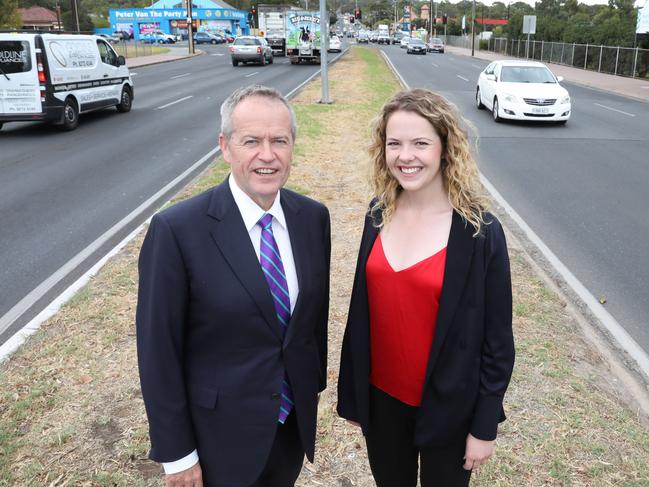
[251,49]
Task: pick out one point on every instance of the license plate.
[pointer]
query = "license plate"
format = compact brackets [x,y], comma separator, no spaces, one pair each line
[540,110]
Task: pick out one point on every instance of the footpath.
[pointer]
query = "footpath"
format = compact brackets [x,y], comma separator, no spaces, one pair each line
[175,53]
[630,87]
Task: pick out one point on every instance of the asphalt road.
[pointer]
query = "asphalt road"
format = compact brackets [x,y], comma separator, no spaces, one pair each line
[582,187]
[60,191]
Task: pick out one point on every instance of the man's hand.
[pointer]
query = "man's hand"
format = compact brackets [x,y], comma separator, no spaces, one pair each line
[477,452]
[192,477]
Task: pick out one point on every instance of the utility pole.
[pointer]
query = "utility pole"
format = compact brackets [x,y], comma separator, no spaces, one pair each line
[430,20]
[75,10]
[473,29]
[190,28]
[324,42]
[58,15]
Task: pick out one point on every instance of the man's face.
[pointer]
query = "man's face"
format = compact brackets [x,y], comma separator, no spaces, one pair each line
[260,149]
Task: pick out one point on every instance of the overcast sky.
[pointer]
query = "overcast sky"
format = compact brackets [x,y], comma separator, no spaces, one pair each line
[638,3]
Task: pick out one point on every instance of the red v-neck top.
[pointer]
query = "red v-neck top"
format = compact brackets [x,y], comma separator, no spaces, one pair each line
[403,311]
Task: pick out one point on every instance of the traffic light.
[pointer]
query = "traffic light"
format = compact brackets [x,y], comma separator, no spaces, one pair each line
[444,19]
[434,20]
[358,14]
[351,20]
[253,10]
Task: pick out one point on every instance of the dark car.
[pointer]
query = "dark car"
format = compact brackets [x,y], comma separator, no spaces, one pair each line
[207,38]
[416,46]
[251,49]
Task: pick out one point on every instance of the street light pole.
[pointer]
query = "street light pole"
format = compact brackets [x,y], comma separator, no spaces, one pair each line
[190,28]
[473,29]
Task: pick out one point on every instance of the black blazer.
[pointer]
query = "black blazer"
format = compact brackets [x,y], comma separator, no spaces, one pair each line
[210,352]
[472,355]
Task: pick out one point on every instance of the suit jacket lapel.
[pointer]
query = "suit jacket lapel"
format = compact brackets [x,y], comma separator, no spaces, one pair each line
[459,253]
[230,235]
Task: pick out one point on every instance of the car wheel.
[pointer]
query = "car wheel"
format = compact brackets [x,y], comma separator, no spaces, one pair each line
[496,116]
[126,100]
[263,60]
[271,59]
[235,63]
[70,118]
[213,41]
[478,99]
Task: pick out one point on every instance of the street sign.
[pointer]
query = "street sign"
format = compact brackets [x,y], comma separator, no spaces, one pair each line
[529,24]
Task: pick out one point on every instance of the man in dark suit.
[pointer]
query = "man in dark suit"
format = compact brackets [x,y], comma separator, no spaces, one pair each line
[232,313]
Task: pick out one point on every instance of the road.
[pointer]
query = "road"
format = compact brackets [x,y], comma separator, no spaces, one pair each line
[580,187]
[59,192]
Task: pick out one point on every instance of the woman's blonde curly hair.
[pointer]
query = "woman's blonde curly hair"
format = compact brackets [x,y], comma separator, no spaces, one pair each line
[459,168]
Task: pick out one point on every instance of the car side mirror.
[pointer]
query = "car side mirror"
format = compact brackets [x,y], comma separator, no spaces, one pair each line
[491,77]
[559,79]
[121,61]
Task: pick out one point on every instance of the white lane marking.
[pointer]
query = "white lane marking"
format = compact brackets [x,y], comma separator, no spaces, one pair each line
[218,54]
[617,331]
[133,74]
[436,65]
[174,102]
[37,293]
[462,77]
[251,74]
[615,110]
[180,75]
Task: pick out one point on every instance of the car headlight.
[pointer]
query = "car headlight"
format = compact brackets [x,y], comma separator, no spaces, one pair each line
[509,98]
[564,100]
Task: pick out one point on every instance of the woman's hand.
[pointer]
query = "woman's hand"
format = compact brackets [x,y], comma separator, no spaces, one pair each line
[477,452]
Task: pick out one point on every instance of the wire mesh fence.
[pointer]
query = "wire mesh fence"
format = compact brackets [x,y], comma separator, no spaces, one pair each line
[616,60]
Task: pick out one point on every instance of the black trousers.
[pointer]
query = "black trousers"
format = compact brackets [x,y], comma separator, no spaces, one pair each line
[394,458]
[286,457]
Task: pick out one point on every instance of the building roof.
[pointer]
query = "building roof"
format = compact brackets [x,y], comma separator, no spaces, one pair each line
[37,15]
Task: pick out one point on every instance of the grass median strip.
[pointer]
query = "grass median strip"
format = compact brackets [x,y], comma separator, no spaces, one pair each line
[71,411]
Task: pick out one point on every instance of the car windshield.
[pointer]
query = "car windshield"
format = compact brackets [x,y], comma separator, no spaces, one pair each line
[436,41]
[526,74]
[417,41]
[246,42]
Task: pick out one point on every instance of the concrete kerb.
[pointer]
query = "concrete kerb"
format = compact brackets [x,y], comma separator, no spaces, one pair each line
[140,61]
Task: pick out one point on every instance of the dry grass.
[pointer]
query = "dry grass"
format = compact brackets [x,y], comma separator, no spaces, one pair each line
[71,412]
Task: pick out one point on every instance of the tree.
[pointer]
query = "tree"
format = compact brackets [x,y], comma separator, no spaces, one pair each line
[9,17]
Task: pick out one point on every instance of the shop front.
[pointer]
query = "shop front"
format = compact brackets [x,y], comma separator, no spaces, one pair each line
[137,22]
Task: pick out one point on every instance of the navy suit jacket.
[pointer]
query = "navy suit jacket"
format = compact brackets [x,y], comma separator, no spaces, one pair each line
[210,351]
[472,355]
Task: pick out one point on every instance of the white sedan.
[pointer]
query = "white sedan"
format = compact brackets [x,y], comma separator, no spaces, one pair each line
[334,44]
[522,90]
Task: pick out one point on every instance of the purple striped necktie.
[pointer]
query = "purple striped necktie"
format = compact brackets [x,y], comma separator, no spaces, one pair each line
[271,264]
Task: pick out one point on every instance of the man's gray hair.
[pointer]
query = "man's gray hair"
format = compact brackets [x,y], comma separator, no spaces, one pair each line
[231,102]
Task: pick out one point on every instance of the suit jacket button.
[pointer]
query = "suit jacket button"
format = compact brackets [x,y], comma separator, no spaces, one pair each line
[274,395]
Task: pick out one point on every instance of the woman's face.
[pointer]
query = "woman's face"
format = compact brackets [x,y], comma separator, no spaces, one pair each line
[413,152]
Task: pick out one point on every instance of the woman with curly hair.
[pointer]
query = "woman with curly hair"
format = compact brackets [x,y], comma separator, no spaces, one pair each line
[428,350]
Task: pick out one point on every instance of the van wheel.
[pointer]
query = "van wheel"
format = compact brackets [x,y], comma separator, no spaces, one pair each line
[70,115]
[126,101]
[235,63]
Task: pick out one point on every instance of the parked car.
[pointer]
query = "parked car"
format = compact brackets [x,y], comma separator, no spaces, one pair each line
[207,38]
[123,35]
[435,45]
[416,46]
[522,90]
[112,38]
[251,49]
[404,42]
[158,37]
[334,44]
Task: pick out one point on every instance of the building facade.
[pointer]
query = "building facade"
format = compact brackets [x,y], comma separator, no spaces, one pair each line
[170,17]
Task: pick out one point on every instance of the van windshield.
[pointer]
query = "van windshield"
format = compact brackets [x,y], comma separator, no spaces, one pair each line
[15,57]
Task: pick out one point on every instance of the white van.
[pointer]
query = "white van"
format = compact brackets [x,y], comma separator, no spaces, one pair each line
[55,77]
